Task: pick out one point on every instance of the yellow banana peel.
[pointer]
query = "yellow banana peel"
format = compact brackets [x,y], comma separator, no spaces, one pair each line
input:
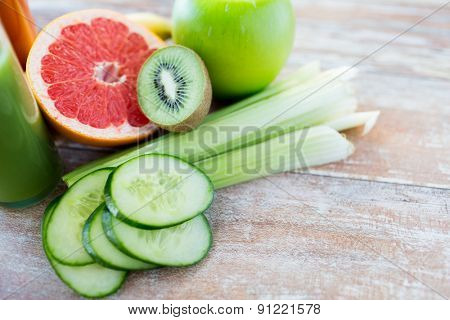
[157,24]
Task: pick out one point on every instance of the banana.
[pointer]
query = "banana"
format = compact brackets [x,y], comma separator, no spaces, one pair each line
[159,25]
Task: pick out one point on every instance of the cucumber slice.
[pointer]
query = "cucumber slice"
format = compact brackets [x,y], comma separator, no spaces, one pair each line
[179,246]
[67,221]
[91,281]
[157,191]
[102,250]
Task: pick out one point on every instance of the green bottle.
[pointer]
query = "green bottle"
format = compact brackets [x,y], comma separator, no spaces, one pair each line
[29,164]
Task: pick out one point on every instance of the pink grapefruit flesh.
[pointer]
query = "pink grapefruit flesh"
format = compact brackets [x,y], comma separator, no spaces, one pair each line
[83,70]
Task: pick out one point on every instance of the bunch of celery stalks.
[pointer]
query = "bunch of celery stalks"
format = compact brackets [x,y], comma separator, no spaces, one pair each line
[292,124]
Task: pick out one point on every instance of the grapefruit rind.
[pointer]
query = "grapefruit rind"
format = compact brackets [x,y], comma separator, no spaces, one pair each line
[70,127]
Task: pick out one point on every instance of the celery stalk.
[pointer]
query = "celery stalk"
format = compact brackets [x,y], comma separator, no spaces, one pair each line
[239,129]
[366,119]
[306,104]
[299,149]
[301,76]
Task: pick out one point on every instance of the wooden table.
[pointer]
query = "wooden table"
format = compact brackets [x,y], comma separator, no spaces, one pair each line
[375,226]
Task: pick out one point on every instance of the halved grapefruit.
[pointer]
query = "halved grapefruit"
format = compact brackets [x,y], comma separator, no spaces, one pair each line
[83,69]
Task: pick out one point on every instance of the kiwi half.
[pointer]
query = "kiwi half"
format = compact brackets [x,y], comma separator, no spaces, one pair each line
[174,89]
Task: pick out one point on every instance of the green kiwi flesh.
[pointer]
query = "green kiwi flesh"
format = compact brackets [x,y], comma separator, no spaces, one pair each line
[174,89]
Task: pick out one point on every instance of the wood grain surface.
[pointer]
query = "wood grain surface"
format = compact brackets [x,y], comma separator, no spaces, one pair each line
[375,226]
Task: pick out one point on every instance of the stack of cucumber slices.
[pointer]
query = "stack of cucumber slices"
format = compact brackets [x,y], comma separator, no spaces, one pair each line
[146,213]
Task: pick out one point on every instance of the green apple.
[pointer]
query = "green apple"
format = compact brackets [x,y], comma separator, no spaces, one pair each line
[244,43]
